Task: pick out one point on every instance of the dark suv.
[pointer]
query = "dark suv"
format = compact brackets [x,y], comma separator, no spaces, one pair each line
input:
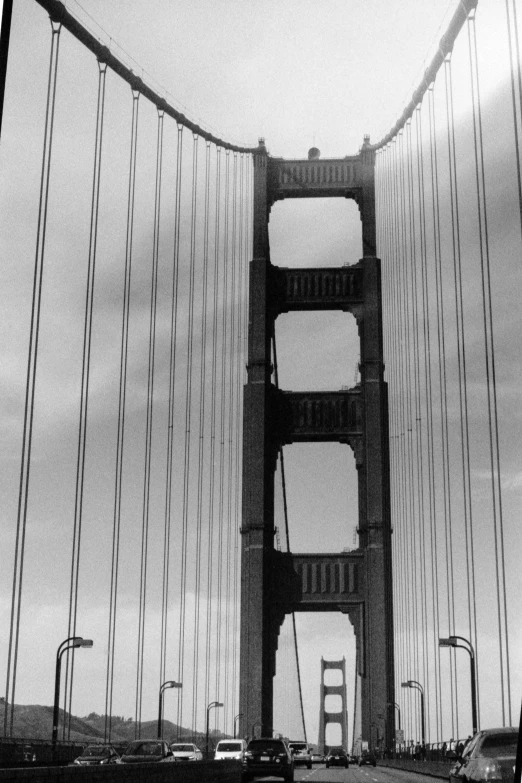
[337,757]
[367,757]
[268,756]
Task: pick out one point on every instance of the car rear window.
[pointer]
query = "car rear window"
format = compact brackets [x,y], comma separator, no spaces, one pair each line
[298,745]
[499,745]
[181,748]
[267,746]
[228,747]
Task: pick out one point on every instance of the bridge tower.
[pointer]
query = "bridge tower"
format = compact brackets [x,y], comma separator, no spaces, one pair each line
[340,717]
[357,583]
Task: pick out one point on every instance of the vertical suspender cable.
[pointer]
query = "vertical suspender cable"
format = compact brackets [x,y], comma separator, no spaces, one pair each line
[32,362]
[213,416]
[462,373]
[188,413]
[150,410]
[517,116]
[86,359]
[428,392]
[489,347]
[125,333]
[201,441]
[229,448]
[222,427]
[172,397]
[287,533]
[441,342]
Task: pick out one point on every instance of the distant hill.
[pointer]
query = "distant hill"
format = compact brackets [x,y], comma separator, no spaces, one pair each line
[33,721]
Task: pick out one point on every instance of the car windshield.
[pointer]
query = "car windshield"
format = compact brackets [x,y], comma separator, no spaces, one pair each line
[504,744]
[181,748]
[266,746]
[298,745]
[336,751]
[88,752]
[144,749]
[228,747]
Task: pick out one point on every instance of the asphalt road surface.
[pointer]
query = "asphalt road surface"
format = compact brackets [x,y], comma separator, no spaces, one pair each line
[355,774]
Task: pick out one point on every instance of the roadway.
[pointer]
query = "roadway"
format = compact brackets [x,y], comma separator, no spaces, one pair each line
[355,774]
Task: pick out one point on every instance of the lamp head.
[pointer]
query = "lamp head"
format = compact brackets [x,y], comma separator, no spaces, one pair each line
[79,642]
[449,642]
[172,684]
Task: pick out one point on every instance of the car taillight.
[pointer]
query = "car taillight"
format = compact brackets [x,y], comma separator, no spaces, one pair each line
[249,754]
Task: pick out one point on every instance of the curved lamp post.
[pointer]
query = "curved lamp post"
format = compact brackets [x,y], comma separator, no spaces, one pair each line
[168,684]
[239,715]
[418,687]
[68,644]
[212,704]
[452,641]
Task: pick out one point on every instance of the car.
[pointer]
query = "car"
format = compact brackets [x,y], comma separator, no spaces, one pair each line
[186,751]
[230,749]
[268,756]
[489,756]
[367,757]
[301,753]
[146,751]
[96,754]
[337,757]
[317,758]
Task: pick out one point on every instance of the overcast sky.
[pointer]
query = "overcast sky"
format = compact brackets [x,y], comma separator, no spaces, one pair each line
[299,73]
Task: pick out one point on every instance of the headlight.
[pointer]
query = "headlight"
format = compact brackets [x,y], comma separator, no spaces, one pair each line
[490,770]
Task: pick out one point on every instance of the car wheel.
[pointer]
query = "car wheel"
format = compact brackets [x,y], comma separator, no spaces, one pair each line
[309,766]
[290,778]
[327,765]
[346,766]
[374,763]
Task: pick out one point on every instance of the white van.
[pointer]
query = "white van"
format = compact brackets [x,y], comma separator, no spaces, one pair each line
[230,749]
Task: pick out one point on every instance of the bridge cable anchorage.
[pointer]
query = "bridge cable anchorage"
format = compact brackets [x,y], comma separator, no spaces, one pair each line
[30,389]
[57,11]
[285,511]
[462,367]
[171,410]
[512,31]
[489,351]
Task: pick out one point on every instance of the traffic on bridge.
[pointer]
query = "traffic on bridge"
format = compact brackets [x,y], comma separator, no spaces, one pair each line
[260,400]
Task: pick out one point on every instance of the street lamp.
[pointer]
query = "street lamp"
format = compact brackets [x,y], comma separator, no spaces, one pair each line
[68,644]
[168,684]
[418,687]
[452,641]
[239,715]
[212,704]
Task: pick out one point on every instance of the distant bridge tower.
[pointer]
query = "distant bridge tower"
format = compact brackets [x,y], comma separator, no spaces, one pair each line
[357,583]
[339,717]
